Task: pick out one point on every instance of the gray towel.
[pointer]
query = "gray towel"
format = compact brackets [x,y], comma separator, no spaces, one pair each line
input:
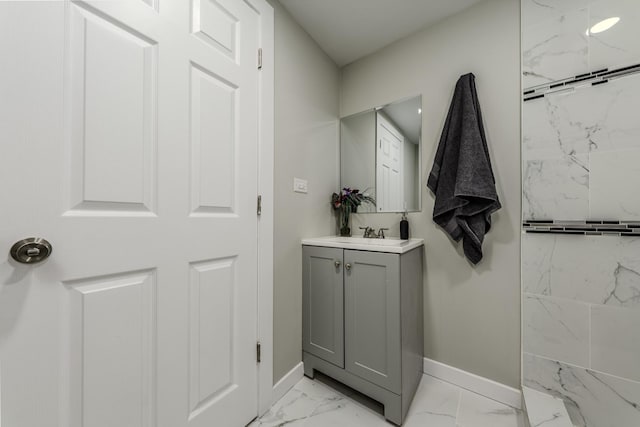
[461,177]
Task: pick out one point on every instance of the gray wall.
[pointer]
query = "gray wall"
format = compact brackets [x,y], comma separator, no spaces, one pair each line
[306,146]
[358,154]
[472,315]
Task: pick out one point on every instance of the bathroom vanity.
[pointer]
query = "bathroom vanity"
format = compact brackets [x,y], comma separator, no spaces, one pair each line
[362,316]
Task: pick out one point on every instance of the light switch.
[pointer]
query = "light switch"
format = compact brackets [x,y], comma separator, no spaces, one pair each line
[300,185]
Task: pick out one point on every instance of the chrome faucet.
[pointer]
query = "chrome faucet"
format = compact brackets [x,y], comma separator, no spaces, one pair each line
[381,233]
[369,233]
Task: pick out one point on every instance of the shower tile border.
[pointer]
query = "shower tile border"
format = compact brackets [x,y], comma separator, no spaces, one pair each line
[583,228]
[595,78]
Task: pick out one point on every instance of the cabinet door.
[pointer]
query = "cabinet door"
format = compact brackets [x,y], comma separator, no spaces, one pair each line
[323,303]
[372,317]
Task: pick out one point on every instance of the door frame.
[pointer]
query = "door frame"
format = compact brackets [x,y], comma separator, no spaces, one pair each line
[265,190]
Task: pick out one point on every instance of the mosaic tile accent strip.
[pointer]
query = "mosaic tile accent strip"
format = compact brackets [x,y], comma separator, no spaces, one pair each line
[584,228]
[594,78]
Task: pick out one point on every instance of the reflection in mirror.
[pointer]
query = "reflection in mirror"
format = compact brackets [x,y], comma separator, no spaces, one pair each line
[380,155]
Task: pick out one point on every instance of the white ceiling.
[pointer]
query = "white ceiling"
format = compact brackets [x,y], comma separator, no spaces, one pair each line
[347,30]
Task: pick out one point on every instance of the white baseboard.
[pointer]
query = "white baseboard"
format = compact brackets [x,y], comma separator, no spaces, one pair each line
[475,383]
[285,384]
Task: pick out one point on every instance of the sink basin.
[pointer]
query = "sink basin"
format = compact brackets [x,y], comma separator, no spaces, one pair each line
[393,245]
[389,241]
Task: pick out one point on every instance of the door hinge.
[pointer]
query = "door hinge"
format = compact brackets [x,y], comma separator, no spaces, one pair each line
[260,59]
[259,205]
[258,351]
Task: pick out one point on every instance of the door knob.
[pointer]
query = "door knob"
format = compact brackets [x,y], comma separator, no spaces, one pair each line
[337,264]
[347,266]
[31,250]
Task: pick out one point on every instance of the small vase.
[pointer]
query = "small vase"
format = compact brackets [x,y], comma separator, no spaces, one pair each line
[344,227]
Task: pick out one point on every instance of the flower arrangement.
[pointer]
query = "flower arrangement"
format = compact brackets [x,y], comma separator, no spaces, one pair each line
[347,202]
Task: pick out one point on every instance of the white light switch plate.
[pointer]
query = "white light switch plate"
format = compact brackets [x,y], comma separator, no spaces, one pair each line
[300,185]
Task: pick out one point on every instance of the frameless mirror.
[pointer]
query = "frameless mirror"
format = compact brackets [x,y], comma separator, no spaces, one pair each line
[380,155]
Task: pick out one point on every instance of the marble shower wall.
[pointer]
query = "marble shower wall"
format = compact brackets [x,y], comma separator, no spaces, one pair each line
[555,44]
[581,160]
[581,147]
[581,325]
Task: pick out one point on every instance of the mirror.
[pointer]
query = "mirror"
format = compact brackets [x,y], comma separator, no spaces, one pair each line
[380,154]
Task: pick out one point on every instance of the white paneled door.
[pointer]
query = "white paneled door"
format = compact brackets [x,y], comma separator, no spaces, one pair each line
[389,166]
[129,134]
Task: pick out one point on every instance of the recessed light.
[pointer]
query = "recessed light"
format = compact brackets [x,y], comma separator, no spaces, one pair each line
[603,25]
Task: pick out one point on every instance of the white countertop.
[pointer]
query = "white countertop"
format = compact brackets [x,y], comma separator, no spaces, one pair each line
[390,244]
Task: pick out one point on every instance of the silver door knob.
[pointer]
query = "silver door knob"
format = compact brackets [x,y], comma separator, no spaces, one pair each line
[337,264]
[31,250]
[347,266]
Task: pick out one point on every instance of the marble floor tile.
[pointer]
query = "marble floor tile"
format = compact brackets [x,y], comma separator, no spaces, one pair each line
[545,410]
[435,404]
[479,411]
[312,403]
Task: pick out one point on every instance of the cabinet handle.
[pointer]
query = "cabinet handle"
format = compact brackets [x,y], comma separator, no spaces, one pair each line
[347,266]
[337,264]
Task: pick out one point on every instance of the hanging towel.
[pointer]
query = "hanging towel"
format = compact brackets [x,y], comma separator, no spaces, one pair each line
[461,177]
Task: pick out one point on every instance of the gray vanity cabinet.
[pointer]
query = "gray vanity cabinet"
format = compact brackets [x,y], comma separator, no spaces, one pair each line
[323,304]
[362,322]
[372,317]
